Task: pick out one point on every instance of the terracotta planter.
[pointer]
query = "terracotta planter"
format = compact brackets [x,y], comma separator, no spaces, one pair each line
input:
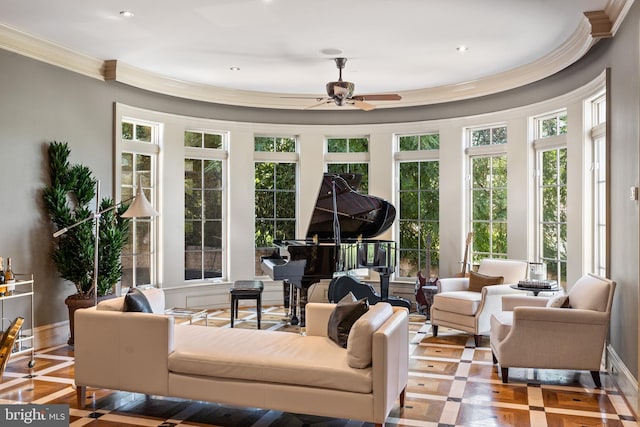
[75,302]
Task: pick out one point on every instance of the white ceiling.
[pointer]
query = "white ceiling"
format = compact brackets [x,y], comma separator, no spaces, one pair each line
[280,45]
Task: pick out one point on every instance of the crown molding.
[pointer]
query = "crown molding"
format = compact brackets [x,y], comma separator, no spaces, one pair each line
[576,46]
[19,42]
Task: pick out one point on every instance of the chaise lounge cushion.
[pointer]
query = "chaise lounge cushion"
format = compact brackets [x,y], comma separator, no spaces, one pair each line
[360,344]
[285,358]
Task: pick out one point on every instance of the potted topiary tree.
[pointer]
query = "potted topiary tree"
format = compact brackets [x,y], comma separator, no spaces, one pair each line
[67,198]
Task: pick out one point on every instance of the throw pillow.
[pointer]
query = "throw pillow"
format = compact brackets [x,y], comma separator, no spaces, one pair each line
[558,301]
[135,300]
[343,316]
[360,345]
[478,281]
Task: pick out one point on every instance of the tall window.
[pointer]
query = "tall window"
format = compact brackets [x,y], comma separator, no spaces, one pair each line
[419,216]
[488,192]
[551,198]
[204,196]
[553,208]
[275,193]
[599,140]
[140,142]
[347,161]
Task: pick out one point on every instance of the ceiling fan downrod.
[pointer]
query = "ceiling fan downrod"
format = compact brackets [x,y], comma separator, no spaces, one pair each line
[340,62]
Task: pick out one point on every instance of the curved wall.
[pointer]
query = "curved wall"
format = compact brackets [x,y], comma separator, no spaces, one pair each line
[41,103]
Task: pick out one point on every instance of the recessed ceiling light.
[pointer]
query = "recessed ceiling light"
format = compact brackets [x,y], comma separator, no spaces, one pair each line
[127,13]
[234,68]
[462,48]
[331,51]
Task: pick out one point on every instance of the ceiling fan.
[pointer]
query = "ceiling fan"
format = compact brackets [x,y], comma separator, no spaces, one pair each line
[341,92]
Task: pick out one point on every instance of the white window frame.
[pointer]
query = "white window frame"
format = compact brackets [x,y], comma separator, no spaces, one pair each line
[152,149]
[471,152]
[221,155]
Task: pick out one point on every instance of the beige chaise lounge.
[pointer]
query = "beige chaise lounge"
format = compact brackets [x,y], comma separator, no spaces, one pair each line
[147,353]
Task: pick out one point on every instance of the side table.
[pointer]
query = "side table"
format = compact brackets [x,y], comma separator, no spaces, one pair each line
[188,313]
[537,286]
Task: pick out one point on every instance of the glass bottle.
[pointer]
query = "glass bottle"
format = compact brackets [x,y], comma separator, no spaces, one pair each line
[3,286]
[9,277]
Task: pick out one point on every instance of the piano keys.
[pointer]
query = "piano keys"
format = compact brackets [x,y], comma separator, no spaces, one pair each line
[338,239]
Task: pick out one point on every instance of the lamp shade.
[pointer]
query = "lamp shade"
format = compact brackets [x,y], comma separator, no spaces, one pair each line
[140,207]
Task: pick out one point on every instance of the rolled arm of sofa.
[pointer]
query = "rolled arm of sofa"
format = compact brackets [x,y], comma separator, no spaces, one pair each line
[390,362]
[123,351]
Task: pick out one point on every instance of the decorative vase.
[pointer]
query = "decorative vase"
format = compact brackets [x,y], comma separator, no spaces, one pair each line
[75,302]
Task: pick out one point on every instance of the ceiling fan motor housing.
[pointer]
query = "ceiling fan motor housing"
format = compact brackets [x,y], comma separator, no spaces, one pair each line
[340,91]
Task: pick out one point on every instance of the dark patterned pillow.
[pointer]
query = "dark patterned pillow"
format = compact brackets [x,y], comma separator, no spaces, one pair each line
[478,281]
[136,301]
[344,315]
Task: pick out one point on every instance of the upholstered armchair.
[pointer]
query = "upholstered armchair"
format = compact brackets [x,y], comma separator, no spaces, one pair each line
[561,332]
[469,309]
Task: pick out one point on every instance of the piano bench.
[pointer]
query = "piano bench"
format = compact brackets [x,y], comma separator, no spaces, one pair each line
[246,289]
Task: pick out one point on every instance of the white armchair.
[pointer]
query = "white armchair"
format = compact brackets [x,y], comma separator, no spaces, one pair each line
[457,307]
[528,334]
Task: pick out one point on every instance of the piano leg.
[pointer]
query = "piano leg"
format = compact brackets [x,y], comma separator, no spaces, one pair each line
[303,305]
[294,305]
[286,297]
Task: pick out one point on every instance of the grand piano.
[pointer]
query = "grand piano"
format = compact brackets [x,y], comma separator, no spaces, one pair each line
[339,239]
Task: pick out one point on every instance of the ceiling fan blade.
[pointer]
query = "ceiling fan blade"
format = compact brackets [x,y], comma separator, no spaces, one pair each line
[363,105]
[324,101]
[378,97]
[317,98]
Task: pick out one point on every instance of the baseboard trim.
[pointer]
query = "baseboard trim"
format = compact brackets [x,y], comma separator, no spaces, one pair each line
[51,335]
[625,380]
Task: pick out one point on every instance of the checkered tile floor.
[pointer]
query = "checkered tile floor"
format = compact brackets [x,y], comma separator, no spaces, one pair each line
[451,383]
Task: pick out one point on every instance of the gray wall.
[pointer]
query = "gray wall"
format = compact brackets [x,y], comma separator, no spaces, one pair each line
[41,103]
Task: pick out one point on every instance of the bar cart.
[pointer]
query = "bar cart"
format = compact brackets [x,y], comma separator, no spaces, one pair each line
[13,304]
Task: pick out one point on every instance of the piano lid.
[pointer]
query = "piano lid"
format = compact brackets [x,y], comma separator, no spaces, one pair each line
[359,215]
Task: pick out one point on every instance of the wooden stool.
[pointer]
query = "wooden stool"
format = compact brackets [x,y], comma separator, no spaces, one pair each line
[246,289]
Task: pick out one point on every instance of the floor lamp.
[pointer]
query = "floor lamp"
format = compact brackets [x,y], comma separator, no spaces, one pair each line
[140,207]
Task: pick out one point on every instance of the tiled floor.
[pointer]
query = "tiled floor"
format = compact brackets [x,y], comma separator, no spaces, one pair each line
[451,383]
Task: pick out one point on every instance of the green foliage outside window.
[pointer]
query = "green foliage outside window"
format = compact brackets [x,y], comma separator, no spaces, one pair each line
[273,144]
[489,136]
[419,216]
[135,131]
[275,206]
[489,207]
[419,142]
[550,126]
[203,187]
[554,212]
[202,140]
[348,145]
